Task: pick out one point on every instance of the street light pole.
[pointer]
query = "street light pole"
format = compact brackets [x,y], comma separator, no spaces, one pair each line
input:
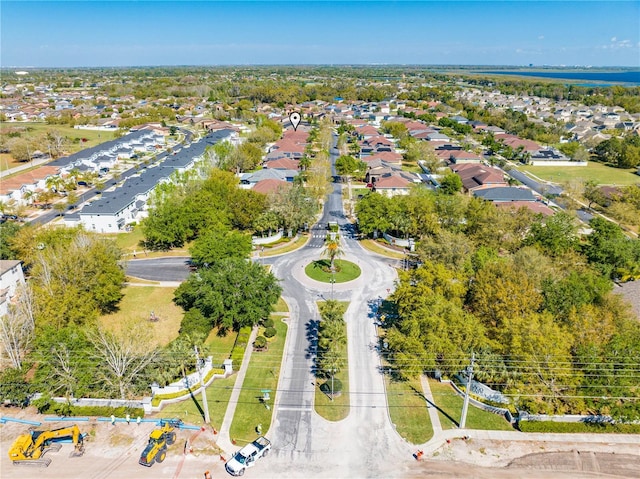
[465,405]
[204,392]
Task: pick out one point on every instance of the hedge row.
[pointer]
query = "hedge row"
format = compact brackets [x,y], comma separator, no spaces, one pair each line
[237,353]
[47,406]
[577,427]
[155,401]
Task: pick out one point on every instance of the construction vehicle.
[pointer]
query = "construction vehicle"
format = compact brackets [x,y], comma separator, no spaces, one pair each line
[159,439]
[29,448]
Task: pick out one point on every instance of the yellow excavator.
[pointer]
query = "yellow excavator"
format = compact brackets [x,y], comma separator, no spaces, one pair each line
[159,439]
[29,448]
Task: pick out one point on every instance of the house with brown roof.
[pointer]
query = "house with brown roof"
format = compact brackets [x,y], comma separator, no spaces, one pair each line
[475,176]
[515,142]
[462,156]
[16,187]
[392,184]
[282,164]
[271,185]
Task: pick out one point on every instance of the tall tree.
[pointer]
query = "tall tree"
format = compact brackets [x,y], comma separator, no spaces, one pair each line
[235,293]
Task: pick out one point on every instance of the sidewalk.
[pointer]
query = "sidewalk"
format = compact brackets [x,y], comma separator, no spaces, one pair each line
[433,412]
[224,441]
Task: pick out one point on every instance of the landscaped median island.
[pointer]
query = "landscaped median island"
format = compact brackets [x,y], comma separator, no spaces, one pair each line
[332,362]
[343,271]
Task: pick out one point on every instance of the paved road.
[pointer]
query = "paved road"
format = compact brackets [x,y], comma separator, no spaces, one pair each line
[173,268]
[304,443]
[541,188]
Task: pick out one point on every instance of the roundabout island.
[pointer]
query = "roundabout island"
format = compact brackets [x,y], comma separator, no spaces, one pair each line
[343,271]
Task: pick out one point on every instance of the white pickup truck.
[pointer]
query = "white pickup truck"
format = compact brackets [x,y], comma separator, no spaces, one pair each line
[247,456]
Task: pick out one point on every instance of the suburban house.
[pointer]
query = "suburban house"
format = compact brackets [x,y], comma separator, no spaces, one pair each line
[18,187]
[499,194]
[11,276]
[392,184]
[249,180]
[476,177]
[271,185]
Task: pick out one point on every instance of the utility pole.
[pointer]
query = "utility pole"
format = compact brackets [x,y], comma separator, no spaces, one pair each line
[465,406]
[205,406]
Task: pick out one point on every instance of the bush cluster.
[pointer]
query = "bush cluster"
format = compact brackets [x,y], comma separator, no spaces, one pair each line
[577,427]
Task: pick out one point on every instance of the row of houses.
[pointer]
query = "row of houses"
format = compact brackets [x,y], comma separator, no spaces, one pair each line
[98,159]
[127,204]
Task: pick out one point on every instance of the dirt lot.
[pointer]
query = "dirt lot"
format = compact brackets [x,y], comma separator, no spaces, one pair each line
[113,452]
[522,459]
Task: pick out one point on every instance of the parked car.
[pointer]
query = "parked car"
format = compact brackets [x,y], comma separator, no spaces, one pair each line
[247,456]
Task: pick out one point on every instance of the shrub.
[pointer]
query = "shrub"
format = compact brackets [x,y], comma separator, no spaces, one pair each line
[270,332]
[46,405]
[260,342]
[337,387]
[268,323]
[577,427]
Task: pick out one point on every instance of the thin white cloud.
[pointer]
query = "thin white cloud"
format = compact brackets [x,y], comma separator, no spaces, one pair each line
[541,37]
[613,39]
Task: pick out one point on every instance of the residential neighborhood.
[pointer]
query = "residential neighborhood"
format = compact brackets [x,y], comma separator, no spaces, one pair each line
[420,255]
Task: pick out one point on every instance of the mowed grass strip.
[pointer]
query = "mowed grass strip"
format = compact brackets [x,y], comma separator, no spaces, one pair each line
[281,306]
[450,410]
[190,410]
[374,247]
[598,172]
[135,309]
[263,373]
[345,271]
[289,247]
[408,410]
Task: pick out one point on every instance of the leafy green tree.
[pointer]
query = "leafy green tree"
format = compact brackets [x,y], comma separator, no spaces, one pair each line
[372,213]
[7,232]
[610,251]
[500,294]
[235,293]
[215,245]
[574,291]
[555,234]
[450,184]
[75,280]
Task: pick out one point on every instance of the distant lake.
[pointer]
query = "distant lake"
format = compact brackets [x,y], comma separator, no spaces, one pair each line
[622,77]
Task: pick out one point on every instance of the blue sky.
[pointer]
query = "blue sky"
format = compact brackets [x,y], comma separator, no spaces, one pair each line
[142,33]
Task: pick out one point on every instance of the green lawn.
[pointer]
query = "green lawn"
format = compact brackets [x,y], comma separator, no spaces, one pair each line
[74,136]
[291,246]
[345,271]
[408,410]
[136,307]
[374,247]
[190,410]
[598,172]
[450,409]
[263,373]
[281,306]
